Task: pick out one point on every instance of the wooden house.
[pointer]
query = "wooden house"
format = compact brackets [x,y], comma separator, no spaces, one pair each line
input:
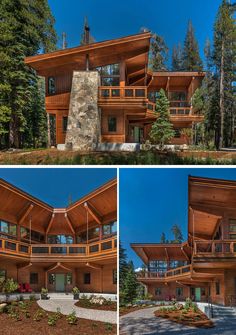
[59,248]
[104,93]
[204,267]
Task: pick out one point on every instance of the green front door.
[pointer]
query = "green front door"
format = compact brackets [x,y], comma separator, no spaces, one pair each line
[197,294]
[60,282]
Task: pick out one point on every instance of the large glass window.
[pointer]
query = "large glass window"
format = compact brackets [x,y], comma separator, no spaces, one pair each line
[51,85]
[153,96]
[112,124]
[178,96]
[93,233]
[35,235]
[176,264]
[7,228]
[109,229]
[158,266]
[60,239]
[110,75]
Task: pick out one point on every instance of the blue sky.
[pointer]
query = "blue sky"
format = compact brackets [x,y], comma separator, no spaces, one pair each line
[112,19]
[152,200]
[55,186]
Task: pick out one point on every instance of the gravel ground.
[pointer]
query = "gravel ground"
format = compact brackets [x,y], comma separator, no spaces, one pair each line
[67,306]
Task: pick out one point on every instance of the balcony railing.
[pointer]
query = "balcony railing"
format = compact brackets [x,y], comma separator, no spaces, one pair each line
[39,250]
[118,92]
[215,248]
[180,271]
[180,111]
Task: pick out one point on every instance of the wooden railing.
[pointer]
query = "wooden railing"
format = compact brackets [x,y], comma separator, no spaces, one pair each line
[180,111]
[39,250]
[182,270]
[214,248]
[119,92]
[62,100]
[14,247]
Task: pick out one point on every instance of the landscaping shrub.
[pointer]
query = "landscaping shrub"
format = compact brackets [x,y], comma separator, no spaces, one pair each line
[72,318]
[52,320]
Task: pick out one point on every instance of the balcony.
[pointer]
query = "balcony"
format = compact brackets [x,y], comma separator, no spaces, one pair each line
[128,96]
[181,271]
[67,251]
[215,249]
[58,101]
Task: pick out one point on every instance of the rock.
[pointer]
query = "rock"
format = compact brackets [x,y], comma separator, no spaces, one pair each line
[3,307]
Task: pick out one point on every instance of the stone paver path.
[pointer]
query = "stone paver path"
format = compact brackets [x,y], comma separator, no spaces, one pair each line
[68,306]
[144,322]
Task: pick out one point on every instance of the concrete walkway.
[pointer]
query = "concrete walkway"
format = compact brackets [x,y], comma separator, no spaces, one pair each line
[144,322]
[68,306]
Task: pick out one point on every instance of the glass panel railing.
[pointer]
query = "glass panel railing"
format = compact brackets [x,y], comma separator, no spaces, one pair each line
[106,245]
[24,248]
[10,246]
[94,248]
[59,250]
[77,250]
[40,250]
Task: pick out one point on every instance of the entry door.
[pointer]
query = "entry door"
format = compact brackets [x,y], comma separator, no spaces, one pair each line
[60,282]
[198,294]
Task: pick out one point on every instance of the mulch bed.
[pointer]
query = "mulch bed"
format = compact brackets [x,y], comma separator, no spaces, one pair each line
[112,306]
[190,318]
[9,326]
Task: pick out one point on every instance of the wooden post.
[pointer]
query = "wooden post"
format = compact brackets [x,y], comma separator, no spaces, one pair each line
[122,73]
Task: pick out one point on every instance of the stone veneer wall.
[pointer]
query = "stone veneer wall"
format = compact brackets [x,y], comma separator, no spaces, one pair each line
[83,128]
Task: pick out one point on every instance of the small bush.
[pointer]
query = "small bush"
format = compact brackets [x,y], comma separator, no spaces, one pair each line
[108,326]
[72,318]
[39,315]
[52,319]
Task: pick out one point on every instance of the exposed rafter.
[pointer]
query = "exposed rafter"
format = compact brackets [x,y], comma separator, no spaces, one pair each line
[94,266]
[93,212]
[69,223]
[185,254]
[50,223]
[25,214]
[24,266]
[58,265]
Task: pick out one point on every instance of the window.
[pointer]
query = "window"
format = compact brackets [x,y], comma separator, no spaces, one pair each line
[232,226]
[109,229]
[3,275]
[110,75]
[153,96]
[60,239]
[34,278]
[203,291]
[112,124]
[217,288]
[158,291]
[65,121]
[114,276]
[51,85]
[87,278]
[35,236]
[176,264]
[179,291]
[93,233]
[7,228]
[159,267]
[51,279]
[178,96]
[69,278]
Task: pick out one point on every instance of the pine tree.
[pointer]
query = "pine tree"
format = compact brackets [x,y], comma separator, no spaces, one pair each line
[86,37]
[123,266]
[162,129]
[163,238]
[191,56]
[224,57]
[178,236]
[131,285]
[177,58]
[26,27]
[158,53]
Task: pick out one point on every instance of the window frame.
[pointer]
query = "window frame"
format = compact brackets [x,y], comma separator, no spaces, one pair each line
[158,291]
[51,91]
[34,282]
[110,126]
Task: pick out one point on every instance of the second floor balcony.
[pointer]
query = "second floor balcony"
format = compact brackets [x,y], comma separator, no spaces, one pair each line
[179,272]
[215,249]
[78,251]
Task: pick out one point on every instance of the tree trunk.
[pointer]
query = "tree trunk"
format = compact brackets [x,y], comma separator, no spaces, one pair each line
[222,109]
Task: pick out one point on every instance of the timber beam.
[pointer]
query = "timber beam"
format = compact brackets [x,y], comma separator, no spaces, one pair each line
[93,212]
